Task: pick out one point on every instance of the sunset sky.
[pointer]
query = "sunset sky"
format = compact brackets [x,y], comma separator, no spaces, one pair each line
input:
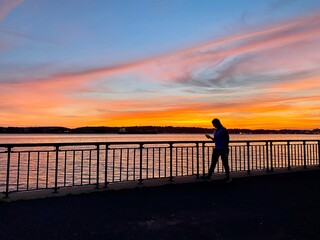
[73,63]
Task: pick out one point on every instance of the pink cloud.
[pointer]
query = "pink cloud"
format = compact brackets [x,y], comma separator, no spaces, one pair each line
[280,57]
[6,6]
[229,52]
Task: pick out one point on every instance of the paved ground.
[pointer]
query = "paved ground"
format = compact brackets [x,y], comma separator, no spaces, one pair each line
[283,206]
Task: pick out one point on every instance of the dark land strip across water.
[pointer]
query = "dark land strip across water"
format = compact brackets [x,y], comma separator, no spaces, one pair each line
[281,206]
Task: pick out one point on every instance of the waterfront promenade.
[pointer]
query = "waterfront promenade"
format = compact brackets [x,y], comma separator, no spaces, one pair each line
[273,206]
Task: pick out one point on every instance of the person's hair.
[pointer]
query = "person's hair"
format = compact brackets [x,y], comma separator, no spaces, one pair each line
[216,122]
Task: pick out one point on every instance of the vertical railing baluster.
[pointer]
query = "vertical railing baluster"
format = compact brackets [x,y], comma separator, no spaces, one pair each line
[171,160]
[18,171]
[147,163]
[113,164]
[165,162]
[8,172]
[65,168]
[304,155]
[128,152]
[192,161]
[120,169]
[81,173]
[90,161]
[318,153]
[28,170]
[236,157]
[278,155]
[253,155]
[295,154]
[248,156]
[231,158]
[159,155]
[38,168]
[153,162]
[203,160]
[98,166]
[271,156]
[313,153]
[47,170]
[309,156]
[73,166]
[267,155]
[264,157]
[140,179]
[187,158]
[181,159]
[198,164]
[56,170]
[134,164]
[106,167]
[177,163]
[288,155]
[242,155]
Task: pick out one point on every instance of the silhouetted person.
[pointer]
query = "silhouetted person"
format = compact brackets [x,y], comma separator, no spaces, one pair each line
[221,139]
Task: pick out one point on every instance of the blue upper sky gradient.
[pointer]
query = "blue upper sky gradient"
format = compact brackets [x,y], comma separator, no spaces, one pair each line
[68,34]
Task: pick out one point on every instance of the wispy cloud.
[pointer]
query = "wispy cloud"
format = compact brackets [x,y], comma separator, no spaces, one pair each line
[25,36]
[212,61]
[6,6]
[255,76]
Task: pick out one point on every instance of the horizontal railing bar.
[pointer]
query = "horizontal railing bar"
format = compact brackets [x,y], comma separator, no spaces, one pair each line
[140,142]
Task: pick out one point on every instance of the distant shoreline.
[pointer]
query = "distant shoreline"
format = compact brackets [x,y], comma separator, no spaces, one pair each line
[144,130]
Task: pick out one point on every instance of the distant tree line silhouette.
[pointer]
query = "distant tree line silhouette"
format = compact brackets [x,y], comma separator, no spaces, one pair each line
[145,130]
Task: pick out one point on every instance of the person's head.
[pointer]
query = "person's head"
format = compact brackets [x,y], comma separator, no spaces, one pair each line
[216,123]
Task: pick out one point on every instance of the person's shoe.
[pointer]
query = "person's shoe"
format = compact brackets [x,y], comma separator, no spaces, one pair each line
[228,179]
[205,177]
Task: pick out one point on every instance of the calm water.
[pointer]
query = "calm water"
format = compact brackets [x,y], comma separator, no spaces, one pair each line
[62,138]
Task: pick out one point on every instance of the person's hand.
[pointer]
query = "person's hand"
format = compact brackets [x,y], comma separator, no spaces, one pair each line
[208,136]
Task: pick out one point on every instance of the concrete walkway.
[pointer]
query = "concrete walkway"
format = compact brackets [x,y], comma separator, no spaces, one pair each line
[277,206]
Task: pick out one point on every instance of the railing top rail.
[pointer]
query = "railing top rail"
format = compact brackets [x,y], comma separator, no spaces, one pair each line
[59,144]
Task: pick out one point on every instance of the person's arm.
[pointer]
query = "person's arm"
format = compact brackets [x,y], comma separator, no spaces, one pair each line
[209,137]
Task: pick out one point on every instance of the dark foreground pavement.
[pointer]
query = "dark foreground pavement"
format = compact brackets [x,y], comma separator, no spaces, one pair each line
[283,206]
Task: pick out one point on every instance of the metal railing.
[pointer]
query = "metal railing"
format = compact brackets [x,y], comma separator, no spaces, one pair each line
[27,167]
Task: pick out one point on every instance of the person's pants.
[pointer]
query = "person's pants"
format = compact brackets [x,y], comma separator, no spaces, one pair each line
[224,157]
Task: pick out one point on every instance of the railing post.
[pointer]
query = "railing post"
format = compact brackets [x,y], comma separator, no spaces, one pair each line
[140,180]
[106,167]
[203,161]
[8,172]
[271,156]
[198,165]
[171,163]
[288,154]
[267,155]
[98,165]
[319,152]
[304,155]
[56,170]
[248,155]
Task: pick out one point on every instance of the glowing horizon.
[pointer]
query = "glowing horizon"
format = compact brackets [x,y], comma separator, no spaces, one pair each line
[261,73]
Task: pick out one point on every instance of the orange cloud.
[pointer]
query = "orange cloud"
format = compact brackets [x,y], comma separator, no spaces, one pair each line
[263,79]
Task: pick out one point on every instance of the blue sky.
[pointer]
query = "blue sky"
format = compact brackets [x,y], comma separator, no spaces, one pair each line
[82,39]
[98,33]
